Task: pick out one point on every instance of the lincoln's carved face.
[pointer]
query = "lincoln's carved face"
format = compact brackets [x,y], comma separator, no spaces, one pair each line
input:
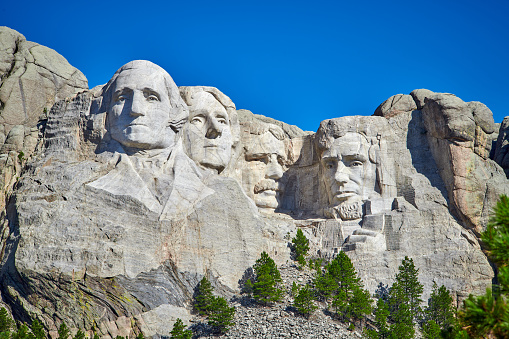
[348,173]
[208,135]
[139,111]
[264,155]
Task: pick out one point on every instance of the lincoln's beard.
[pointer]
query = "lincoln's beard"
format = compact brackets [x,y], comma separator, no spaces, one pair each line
[346,211]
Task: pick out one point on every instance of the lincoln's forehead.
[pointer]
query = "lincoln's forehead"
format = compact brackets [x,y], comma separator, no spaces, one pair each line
[351,144]
[265,143]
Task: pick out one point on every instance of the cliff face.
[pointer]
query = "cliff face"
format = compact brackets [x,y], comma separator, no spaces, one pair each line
[129,194]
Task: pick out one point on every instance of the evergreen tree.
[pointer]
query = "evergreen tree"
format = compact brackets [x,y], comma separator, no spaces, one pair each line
[63,331]
[80,335]
[304,301]
[22,333]
[325,285]
[204,297]
[403,325]
[300,247]
[96,336]
[431,330]
[488,315]
[406,290]
[440,308]
[139,336]
[38,330]
[179,331]
[381,315]
[6,322]
[266,286]
[221,317]
[5,335]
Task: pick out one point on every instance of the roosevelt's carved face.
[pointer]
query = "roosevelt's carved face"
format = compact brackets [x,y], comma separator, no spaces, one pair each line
[348,173]
[264,156]
[139,111]
[208,135]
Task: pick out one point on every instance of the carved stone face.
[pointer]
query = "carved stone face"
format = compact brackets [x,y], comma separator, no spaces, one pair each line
[264,156]
[348,173]
[208,135]
[139,111]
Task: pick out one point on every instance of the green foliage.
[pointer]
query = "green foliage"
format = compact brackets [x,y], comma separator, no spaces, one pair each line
[266,286]
[119,337]
[248,288]
[381,315]
[295,289]
[221,317]
[139,336]
[63,331]
[431,330]
[81,335]
[440,309]
[405,294]
[488,315]
[96,336]
[304,301]
[5,335]
[22,333]
[21,156]
[179,331]
[6,322]
[300,245]
[204,297]
[325,285]
[38,330]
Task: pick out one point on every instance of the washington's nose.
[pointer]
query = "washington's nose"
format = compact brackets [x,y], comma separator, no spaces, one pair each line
[137,105]
[274,170]
[214,129]
[342,174]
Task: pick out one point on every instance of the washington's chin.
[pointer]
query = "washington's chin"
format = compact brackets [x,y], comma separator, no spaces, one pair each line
[267,199]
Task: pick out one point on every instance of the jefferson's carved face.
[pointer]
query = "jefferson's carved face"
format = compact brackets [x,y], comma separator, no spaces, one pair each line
[264,156]
[348,174]
[139,111]
[208,135]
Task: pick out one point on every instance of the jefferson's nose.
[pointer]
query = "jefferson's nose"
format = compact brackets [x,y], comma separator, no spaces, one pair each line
[214,129]
[138,105]
[274,170]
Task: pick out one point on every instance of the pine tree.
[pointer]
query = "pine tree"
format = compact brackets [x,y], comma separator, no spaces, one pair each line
[22,333]
[221,317]
[325,285]
[266,286]
[406,289]
[63,331]
[431,330]
[300,247]
[204,297]
[179,331]
[38,330]
[488,315]
[139,336]
[381,314]
[6,322]
[440,308]
[80,335]
[304,301]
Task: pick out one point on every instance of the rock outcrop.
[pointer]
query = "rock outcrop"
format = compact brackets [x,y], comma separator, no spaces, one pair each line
[137,189]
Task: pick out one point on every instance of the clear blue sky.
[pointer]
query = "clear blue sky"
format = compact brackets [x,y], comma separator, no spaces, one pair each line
[296,61]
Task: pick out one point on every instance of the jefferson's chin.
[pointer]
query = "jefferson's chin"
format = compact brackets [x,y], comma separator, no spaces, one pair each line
[267,199]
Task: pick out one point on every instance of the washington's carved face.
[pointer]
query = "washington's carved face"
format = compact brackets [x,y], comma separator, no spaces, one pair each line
[348,173]
[264,156]
[208,135]
[139,111]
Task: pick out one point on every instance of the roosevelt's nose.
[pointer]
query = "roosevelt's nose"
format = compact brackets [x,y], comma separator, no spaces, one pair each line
[274,170]
[214,129]
[137,105]
[342,174]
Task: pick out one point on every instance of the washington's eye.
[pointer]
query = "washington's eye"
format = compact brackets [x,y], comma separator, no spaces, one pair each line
[356,163]
[222,121]
[152,97]
[196,120]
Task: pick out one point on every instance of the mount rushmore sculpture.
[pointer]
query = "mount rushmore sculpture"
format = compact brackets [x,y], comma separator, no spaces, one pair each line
[137,189]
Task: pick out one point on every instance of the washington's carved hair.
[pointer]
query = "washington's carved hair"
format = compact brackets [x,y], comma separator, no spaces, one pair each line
[178,114]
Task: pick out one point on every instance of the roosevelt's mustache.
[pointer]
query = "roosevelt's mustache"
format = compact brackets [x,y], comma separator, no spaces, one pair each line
[267,184]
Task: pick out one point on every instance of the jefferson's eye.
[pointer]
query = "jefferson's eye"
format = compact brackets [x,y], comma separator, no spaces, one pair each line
[222,121]
[196,120]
